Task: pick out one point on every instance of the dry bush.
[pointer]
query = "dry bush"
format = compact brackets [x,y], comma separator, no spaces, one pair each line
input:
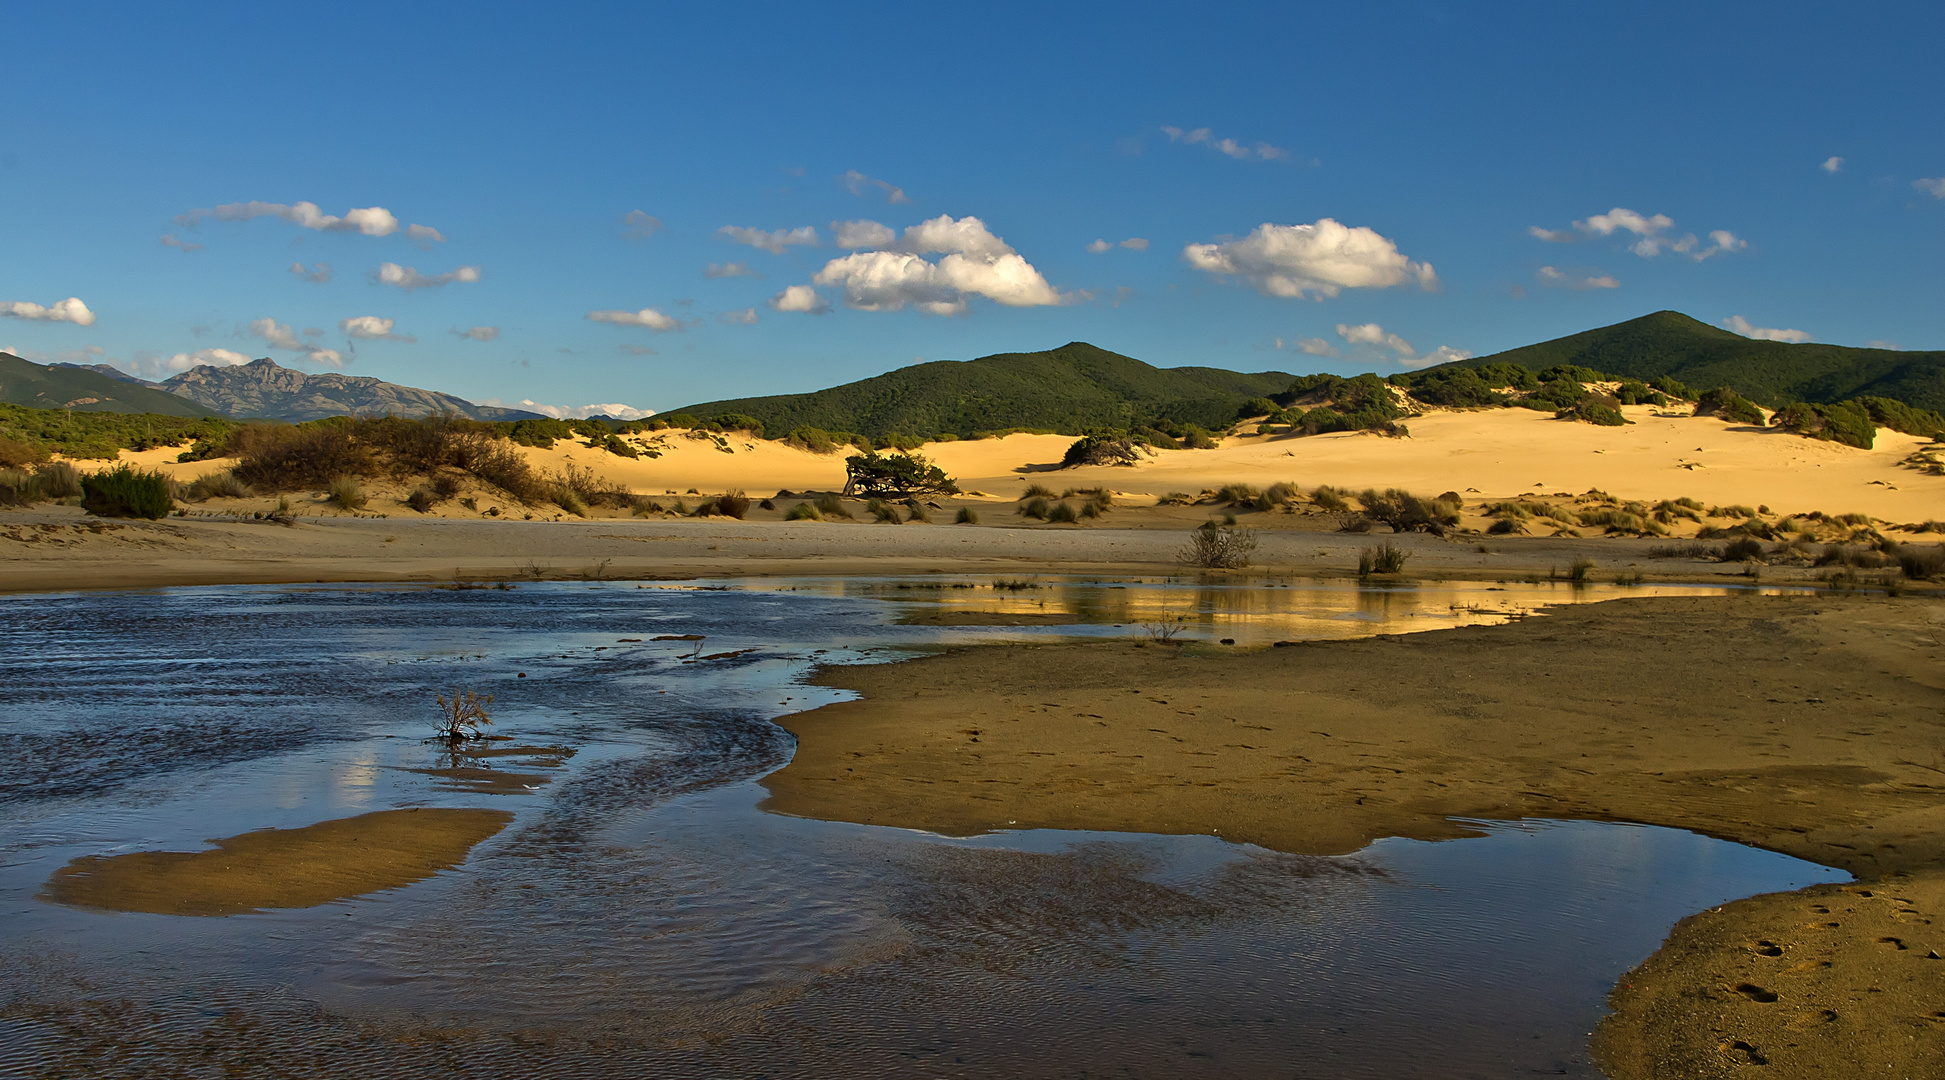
[222,484]
[831,506]
[346,493]
[803,511]
[1329,500]
[284,458]
[967,516]
[14,453]
[1922,563]
[462,715]
[1214,546]
[1406,512]
[1386,558]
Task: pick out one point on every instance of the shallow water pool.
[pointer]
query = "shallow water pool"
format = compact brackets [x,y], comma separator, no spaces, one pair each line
[641,917]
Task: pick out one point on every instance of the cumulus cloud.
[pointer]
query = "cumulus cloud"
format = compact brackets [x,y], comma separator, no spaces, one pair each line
[320,273]
[371,328]
[862,234]
[801,298]
[1763,333]
[1321,259]
[1373,334]
[1099,247]
[1313,346]
[728,270]
[1935,185]
[477,333]
[564,412]
[1575,279]
[317,354]
[772,242]
[409,278]
[648,317]
[370,220]
[173,241]
[1653,234]
[1551,236]
[1135,243]
[975,262]
[856,182]
[1402,352]
[71,310]
[275,334]
[639,225]
[424,236]
[744,317]
[1261,151]
[1832,164]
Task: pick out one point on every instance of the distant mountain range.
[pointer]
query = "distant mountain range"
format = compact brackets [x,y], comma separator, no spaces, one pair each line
[1769,373]
[261,389]
[1069,389]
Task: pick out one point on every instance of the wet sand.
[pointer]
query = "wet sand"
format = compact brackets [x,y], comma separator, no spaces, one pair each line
[280,868]
[1807,725]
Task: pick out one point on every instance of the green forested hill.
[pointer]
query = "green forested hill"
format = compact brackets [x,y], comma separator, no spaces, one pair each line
[23,382]
[1770,373]
[1069,389]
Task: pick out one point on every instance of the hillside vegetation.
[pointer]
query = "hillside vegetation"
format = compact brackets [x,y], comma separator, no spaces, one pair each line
[1068,390]
[80,389]
[1668,344]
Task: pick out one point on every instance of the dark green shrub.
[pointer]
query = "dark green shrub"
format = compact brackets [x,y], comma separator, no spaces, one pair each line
[815,440]
[1581,570]
[967,516]
[1062,513]
[882,512]
[1406,512]
[895,474]
[1035,508]
[1848,423]
[421,499]
[1746,549]
[1592,410]
[1729,405]
[803,511]
[737,422]
[1107,446]
[541,433]
[1329,500]
[735,504]
[124,492]
[1257,407]
[832,507]
[1237,494]
[282,457]
[1036,491]
[1503,526]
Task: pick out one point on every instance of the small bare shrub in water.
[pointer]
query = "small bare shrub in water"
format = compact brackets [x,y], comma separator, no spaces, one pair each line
[1219,547]
[1580,570]
[462,715]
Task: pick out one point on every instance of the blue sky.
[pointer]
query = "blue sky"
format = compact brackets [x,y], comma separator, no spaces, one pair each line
[1367,182]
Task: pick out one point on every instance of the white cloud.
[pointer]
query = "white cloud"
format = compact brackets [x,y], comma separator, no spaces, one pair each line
[1935,185]
[745,317]
[152,365]
[173,241]
[1373,334]
[371,328]
[1314,346]
[320,273]
[1378,337]
[1763,333]
[562,412]
[277,335]
[1833,164]
[772,242]
[1576,280]
[409,278]
[71,310]
[648,317]
[728,270]
[424,236]
[371,220]
[1551,236]
[1099,246]
[1653,236]
[1262,151]
[856,182]
[317,354]
[1444,354]
[640,225]
[862,234]
[801,298]
[975,263]
[1323,258]
[1135,243]
[477,333]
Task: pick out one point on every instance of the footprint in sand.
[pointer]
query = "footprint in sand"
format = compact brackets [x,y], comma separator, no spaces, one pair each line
[1756,993]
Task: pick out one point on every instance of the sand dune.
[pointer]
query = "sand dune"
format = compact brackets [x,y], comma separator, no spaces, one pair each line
[1485,454]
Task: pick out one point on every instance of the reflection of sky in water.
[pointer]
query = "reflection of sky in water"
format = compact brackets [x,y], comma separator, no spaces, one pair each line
[642,915]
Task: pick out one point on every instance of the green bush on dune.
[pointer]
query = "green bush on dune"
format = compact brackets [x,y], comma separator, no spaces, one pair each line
[125,492]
